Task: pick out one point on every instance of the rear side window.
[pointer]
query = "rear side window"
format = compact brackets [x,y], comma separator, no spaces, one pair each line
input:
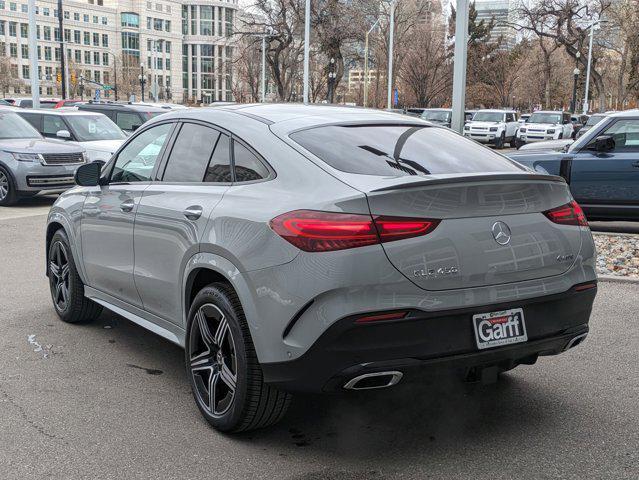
[248,167]
[399,150]
[126,121]
[219,169]
[190,154]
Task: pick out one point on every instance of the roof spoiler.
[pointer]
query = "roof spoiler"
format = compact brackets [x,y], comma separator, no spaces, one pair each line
[473,179]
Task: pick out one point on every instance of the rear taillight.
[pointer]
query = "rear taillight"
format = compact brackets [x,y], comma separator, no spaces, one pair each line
[569,214]
[314,231]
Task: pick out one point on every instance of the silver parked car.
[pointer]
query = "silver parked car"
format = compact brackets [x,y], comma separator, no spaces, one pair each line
[30,164]
[322,249]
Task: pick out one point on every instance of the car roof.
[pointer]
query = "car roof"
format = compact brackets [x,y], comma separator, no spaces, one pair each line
[496,110]
[58,111]
[121,106]
[549,111]
[289,116]
[624,114]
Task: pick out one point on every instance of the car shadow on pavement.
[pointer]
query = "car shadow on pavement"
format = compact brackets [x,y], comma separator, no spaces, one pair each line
[439,418]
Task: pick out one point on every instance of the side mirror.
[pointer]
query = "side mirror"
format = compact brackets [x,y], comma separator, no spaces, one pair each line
[65,134]
[88,175]
[603,143]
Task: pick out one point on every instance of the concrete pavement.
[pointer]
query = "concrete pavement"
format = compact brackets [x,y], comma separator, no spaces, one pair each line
[110,400]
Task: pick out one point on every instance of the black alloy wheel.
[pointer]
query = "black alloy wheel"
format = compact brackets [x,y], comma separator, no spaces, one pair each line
[213,360]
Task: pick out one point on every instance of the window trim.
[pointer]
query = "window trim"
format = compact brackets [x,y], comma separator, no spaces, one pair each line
[109,167]
[232,138]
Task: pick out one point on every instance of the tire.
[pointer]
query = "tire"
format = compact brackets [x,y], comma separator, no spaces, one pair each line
[561,135]
[223,360]
[67,289]
[519,143]
[8,193]
[513,142]
[500,143]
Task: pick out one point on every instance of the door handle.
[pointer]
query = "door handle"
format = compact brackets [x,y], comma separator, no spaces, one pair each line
[127,205]
[193,212]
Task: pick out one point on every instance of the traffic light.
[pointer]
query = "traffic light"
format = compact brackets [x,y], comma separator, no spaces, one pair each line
[59,77]
[73,78]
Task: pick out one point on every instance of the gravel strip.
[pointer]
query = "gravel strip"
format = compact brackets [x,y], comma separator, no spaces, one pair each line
[618,255]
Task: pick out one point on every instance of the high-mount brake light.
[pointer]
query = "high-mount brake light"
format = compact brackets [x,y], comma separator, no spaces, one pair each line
[568,214]
[314,231]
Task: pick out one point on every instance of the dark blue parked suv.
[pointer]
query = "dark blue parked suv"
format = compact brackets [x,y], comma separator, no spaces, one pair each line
[602,167]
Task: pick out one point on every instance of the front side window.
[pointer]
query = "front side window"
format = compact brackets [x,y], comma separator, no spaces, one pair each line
[136,161]
[190,154]
[625,133]
[248,167]
[52,124]
[400,150]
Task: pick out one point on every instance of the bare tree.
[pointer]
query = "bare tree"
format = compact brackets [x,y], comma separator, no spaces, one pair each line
[7,77]
[426,69]
[567,22]
[285,45]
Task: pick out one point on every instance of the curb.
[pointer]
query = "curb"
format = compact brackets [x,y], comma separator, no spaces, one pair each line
[613,234]
[617,279]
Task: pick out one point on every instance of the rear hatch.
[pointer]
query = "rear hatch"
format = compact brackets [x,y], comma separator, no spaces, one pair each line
[491,229]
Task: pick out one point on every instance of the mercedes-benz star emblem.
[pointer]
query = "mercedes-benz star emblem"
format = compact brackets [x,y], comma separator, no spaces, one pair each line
[501,233]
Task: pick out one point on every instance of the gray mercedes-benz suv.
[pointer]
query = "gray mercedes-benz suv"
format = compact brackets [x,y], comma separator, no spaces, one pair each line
[324,249]
[29,163]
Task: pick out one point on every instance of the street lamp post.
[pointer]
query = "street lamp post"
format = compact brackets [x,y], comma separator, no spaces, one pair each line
[331,80]
[459,66]
[366,62]
[391,36]
[573,103]
[592,30]
[142,79]
[307,44]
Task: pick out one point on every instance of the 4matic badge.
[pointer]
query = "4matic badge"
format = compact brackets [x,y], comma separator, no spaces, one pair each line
[435,272]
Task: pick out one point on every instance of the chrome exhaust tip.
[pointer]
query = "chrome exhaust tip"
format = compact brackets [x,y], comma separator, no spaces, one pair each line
[370,381]
[576,341]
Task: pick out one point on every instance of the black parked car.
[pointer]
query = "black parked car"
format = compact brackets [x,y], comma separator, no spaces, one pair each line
[127,116]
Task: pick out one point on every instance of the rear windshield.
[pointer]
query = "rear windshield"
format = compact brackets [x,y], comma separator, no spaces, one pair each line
[399,150]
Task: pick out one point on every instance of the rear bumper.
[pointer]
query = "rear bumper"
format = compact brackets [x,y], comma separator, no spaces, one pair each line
[431,343]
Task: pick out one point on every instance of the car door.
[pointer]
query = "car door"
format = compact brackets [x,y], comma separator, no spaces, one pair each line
[611,177]
[109,214]
[173,214]
[511,125]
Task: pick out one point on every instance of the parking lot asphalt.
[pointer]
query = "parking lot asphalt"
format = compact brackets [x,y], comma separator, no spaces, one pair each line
[110,400]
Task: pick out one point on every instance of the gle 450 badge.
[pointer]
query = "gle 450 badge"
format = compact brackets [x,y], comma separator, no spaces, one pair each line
[499,328]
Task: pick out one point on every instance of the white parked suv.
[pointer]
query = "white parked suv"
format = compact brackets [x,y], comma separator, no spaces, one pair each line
[495,127]
[93,131]
[545,125]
